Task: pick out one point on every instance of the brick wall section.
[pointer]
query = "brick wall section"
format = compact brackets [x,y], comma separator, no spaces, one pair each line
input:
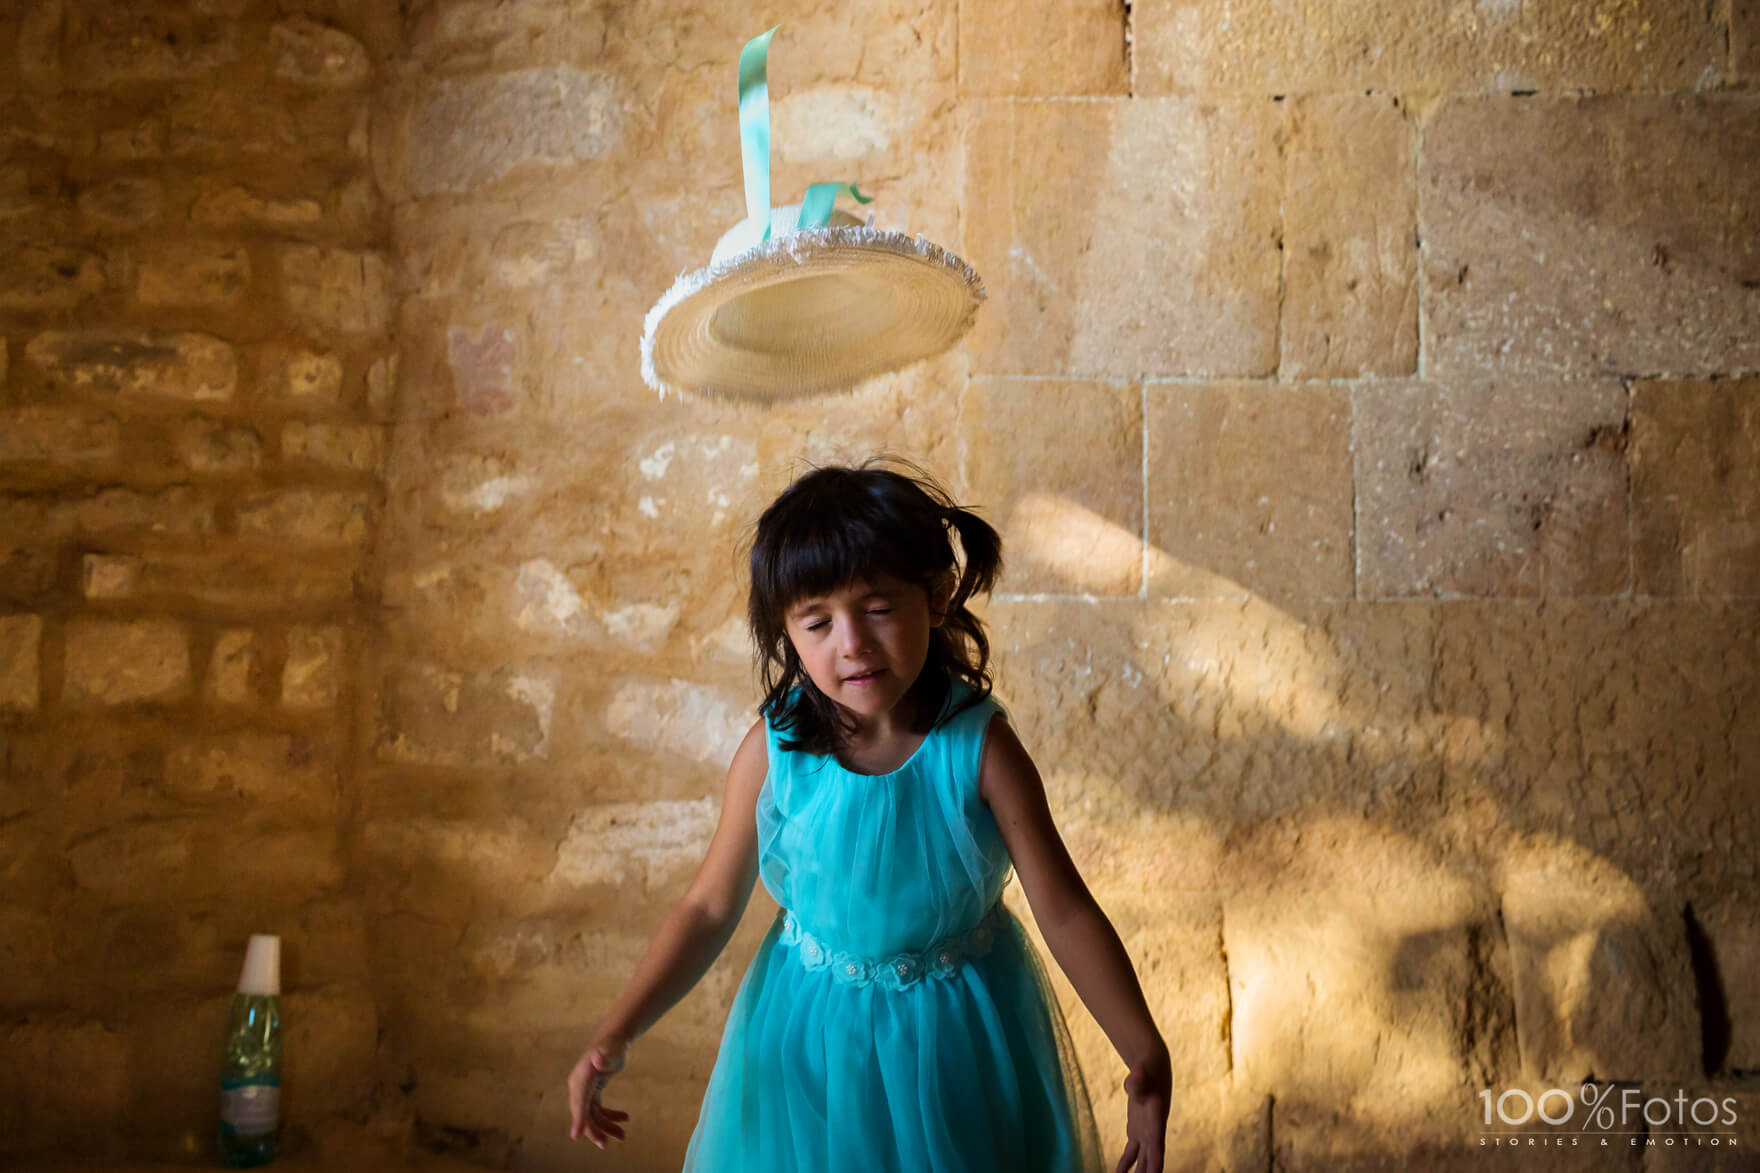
[195,295]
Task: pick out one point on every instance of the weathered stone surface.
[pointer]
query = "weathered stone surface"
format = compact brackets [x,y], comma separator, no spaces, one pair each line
[307,53]
[1350,283]
[651,847]
[336,288]
[1491,488]
[115,42]
[1175,273]
[441,717]
[37,275]
[1731,934]
[66,1073]
[312,676]
[357,447]
[1283,47]
[259,123]
[382,388]
[176,510]
[58,436]
[192,273]
[332,1038]
[122,205]
[200,858]
[228,206]
[1057,468]
[232,666]
[332,516]
[1558,239]
[1603,982]
[116,662]
[1043,49]
[470,132]
[1250,491]
[1694,1125]
[250,582]
[110,576]
[257,768]
[211,446]
[1696,488]
[291,376]
[21,637]
[174,365]
[1744,38]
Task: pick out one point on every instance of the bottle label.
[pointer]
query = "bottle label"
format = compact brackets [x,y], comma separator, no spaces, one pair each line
[249,1109]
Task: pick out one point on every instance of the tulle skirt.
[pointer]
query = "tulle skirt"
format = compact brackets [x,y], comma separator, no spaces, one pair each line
[965,1072]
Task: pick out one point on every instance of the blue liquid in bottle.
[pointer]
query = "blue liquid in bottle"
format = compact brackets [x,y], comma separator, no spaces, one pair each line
[250,1071]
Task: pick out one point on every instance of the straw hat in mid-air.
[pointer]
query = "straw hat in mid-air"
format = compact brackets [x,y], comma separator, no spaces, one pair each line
[804,298]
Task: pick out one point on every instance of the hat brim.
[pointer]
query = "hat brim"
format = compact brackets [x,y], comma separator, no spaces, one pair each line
[813,311]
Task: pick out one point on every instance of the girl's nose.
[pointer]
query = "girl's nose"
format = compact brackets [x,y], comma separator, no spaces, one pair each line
[855,638]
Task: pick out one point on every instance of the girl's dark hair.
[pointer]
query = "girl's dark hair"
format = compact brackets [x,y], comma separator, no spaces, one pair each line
[833,526]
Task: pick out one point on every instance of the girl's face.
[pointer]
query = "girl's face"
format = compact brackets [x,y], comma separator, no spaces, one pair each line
[865,644]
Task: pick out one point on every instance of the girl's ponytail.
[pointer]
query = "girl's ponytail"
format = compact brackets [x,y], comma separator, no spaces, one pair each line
[982,553]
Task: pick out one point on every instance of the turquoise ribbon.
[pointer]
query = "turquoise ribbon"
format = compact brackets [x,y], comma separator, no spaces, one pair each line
[754,146]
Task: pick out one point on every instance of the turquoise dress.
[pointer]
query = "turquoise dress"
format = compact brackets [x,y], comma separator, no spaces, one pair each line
[895,1017]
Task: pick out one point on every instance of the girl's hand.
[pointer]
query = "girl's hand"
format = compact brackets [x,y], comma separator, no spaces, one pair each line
[592,1119]
[1150,1088]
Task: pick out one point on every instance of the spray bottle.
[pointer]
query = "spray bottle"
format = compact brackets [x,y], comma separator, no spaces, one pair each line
[250,1073]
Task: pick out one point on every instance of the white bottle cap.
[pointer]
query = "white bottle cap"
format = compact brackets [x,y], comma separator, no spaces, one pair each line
[262,966]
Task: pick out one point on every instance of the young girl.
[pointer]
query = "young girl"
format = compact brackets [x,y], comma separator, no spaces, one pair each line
[896,1016]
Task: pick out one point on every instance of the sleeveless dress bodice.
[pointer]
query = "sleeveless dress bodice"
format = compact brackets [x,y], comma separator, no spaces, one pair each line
[896,1016]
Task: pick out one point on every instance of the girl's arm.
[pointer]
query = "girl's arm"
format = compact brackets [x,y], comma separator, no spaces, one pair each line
[1079,936]
[705,917]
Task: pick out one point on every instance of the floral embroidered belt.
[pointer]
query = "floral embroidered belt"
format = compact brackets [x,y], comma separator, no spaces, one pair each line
[941,959]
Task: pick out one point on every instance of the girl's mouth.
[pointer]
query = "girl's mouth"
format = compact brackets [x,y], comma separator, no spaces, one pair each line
[865,678]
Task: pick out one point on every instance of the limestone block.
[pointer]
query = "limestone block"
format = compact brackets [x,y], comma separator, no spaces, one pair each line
[1491,488]
[440,717]
[1186,720]
[1580,719]
[356,447]
[204,858]
[466,133]
[309,54]
[26,575]
[116,662]
[1043,49]
[649,847]
[110,576]
[212,446]
[174,365]
[332,1037]
[66,436]
[1250,491]
[234,662]
[122,205]
[1366,989]
[21,637]
[1603,982]
[696,722]
[252,581]
[67,1076]
[319,516]
[1284,47]
[382,388]
[1744,38]
[1558,239]
[294,377]
[40,275]
[175,510]
[222,205]
[440,868]
[192,273]
[312,675]
[143,140]
[1350,285]
[1732,933]
[337,288]
[256,767]
[1173,273]
[116,42]
[1057,468]
[1696,488]
[257,123]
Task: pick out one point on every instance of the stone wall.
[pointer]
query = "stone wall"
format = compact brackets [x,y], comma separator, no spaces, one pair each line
[195,383]
[1369,398]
